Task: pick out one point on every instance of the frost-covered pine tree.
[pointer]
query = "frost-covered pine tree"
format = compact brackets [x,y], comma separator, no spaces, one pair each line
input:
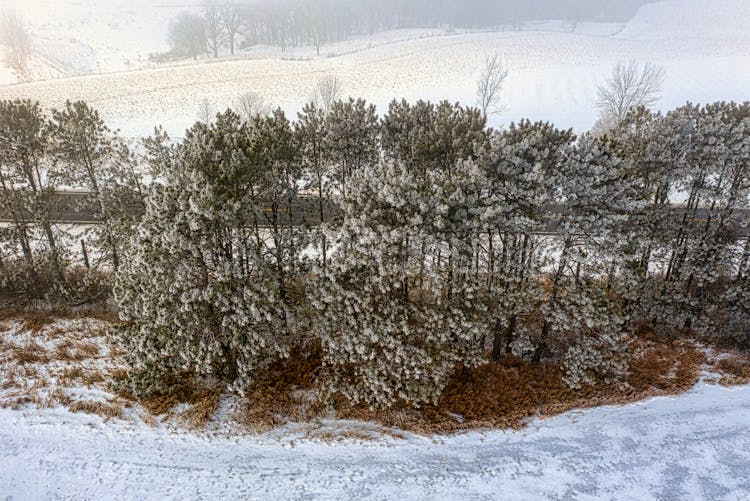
[210,283]
[519,166]
[28,181]
[311,139]
[91,156]
[583,325]
[709,162]
[427,136]
[395,314]
[351,140]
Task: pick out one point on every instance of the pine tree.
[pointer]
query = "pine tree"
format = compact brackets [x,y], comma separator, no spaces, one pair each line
[519,166]
[351,139]
[394,321]
[93,157]
[310,136]
[203,289]
[28,179]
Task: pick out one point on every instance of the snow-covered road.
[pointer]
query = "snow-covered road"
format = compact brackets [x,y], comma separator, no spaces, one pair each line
[696,446]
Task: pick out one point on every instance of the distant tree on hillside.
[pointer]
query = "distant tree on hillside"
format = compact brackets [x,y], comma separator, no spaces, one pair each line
[230,18]
[15,36]
[187,35]
[327,91]
[251,104]
[215,29]
[629,86]
[490,85]
[206,111]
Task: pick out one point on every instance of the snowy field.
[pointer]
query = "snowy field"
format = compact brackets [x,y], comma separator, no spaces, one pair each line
[696,446]
[704,46]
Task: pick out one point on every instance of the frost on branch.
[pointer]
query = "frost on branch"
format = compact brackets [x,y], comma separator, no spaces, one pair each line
[204,288]
[396,314]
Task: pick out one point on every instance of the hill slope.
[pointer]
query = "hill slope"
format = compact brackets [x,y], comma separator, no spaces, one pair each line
[553,75]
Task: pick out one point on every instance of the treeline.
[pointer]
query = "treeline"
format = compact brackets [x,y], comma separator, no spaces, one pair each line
[439,259]
[293,23]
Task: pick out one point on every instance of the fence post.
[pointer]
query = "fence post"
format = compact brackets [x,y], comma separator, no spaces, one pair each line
[85,255]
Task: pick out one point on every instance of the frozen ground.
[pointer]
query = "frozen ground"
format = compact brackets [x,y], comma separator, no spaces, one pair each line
[696,446]
[703,44]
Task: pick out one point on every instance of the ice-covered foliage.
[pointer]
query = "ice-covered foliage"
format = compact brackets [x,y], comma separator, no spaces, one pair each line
[546,293]
[519,166]
[396,314]
[692,262]
[351,140]
[27,180]
[449,238]
[203,288]
[92,156]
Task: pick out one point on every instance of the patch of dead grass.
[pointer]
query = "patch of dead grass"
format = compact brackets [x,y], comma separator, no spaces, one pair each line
[283,392]
[107,410]
[30,353]
[667,367]
[496,395]
[36,321]
[733,369]
[70,350]
[59,397]
[337,434]
[203,406]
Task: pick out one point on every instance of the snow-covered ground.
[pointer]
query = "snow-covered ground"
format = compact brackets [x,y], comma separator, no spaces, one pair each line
[704,46]
[87,36]
[94,36]
[696,446]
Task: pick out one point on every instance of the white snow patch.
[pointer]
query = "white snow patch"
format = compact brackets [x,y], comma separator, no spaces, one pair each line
[695,446]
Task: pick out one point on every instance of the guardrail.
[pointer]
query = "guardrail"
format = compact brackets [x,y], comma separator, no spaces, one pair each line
[81,208]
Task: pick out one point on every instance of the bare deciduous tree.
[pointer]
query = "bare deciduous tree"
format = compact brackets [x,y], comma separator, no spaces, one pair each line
[629,86]
[15,36]
[206,111]
[187,35]
[230,17]
[327,91]
[490,85]
[215,28]
[251,104]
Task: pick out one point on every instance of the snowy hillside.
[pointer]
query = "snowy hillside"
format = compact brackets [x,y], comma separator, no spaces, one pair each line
[696,446]
[86,36]
[553,75]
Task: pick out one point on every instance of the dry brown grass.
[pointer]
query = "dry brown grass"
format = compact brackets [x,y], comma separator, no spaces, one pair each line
[282,392]
[58,396]
[149,420]
[91,378]
[338,433]
[159,405]
[495,395]
[107,410]
[734,369]
[204,405]
[666,367]
[16,401]
[9,379]
[37,321]
[30,353]
[71,350]
[70,374]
